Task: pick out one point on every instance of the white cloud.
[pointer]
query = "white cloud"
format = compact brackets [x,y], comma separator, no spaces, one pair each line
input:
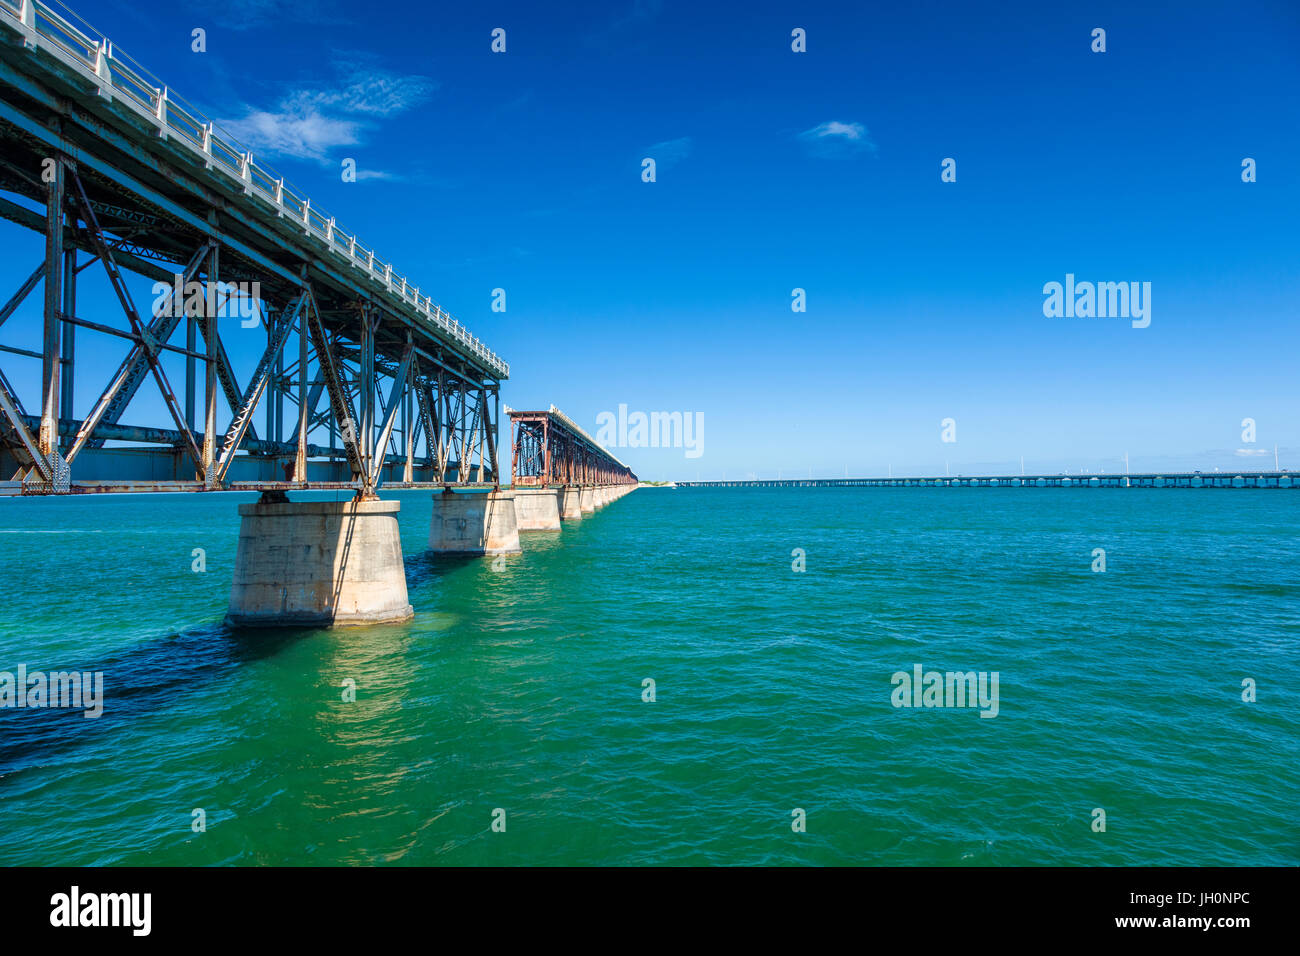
[670,151]
[637,15]
[309,123]
[374,93]
[1250,452]
[257,14]
[852,131]
[836,138]
[299,130]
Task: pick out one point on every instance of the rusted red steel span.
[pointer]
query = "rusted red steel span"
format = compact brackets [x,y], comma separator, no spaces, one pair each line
[551,449]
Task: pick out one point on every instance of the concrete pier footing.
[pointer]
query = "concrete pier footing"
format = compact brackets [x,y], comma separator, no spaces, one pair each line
[570,497]
[318,563]
[537,509]
[480,522]
[326,563]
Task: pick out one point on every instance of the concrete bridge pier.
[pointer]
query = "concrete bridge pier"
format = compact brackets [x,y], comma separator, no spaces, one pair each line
[537,509]
[318,563]
[474,522]
[570,497]
[588,499]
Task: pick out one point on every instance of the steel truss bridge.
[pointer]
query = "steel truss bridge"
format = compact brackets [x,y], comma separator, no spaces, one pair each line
[551,450]
[1245,479]
[118,173]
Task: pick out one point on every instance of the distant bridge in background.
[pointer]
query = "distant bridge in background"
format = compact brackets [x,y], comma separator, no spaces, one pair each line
[1244,479]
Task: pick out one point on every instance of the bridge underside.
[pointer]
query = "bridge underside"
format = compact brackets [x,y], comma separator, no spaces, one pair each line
[359,380]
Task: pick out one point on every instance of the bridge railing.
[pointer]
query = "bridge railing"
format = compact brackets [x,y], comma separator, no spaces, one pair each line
[582,433]
[90,53]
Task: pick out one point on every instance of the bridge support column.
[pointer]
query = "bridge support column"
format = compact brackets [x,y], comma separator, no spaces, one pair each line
[318,563]
[474,522]
[537,509]
[588,499]
[570,502]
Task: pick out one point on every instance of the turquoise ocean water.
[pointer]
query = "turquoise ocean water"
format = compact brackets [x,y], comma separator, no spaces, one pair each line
[521,688]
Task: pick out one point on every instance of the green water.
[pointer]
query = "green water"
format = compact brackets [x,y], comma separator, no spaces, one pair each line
[521,688]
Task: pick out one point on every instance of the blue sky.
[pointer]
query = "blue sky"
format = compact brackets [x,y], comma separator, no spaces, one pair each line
[779,170]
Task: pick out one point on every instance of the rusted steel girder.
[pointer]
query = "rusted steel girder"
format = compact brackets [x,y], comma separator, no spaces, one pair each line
[550,449]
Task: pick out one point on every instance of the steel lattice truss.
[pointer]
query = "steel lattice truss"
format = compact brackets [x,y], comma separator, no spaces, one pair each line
[549,449]
[379,384]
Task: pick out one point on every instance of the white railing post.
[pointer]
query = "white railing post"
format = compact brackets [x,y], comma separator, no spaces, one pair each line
[103,53]
[28,16]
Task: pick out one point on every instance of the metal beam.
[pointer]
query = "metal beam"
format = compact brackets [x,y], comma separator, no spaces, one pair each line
[339,402]
[244,413]
[17,435]
[23,292]
[128,306]
[136,365]
[48,439]
[394,401]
